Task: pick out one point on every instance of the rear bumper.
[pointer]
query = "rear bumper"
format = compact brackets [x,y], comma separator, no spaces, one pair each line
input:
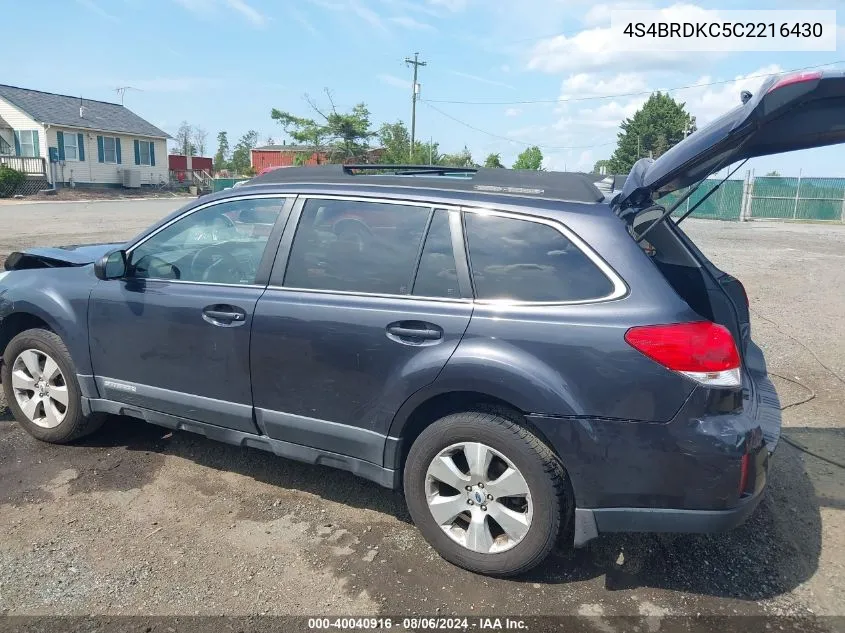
[670,520]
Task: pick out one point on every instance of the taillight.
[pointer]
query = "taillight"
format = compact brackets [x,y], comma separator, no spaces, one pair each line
[702,350]
[743,473]
[797,78]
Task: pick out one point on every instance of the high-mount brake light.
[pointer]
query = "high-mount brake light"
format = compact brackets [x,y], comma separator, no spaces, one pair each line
[701,350]
[797,78]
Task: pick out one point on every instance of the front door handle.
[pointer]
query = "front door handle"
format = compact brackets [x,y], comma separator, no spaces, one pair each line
[223,315]
[419,331]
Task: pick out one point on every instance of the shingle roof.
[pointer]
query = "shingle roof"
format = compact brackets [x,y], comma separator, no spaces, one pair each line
[46,107]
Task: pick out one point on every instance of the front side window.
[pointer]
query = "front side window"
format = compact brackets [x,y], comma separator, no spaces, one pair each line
[521,260]
[367,247]
[223,243]
[109,149]
[70,145]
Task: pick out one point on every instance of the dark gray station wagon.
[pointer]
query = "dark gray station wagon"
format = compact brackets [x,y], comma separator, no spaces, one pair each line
[528,361]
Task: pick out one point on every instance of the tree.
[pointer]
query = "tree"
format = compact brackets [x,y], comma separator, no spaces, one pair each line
[461,159]
[185,140]
[337,134]
[395,141]
[773,174]
[601,166]
[240,156]
[661,123]
[531,158]
[493,160]
[221,158]
[200,139]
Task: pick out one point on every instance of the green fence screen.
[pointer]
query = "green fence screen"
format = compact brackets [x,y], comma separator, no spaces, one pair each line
[224,183]
[772,197]
[798,198]
[725,204]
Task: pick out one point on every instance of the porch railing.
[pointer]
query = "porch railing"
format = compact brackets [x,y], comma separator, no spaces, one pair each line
[30,165]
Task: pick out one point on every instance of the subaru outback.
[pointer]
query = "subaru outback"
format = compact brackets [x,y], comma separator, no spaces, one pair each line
[529,362]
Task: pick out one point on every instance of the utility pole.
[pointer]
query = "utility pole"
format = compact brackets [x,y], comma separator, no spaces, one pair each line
[416,63]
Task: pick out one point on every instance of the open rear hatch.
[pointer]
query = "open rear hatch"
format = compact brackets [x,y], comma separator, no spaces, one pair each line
[789,113]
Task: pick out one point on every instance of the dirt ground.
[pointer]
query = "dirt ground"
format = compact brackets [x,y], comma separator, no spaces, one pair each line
[138,520]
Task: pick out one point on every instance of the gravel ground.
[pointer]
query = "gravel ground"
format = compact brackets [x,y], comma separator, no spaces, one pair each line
[138,520]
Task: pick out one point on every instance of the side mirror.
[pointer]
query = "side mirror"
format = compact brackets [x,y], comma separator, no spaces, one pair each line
[111,266]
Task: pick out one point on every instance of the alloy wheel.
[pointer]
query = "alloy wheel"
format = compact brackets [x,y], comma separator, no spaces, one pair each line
[40,388]
[478,497]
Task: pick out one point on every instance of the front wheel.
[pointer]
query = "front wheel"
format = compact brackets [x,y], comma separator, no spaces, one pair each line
[41,389]
[486,493]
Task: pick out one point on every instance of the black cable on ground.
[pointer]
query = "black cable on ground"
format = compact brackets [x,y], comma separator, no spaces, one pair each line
[812,393]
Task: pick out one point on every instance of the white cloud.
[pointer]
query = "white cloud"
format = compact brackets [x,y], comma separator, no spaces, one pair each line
[393,80]
[252,15]
[303,21]
[599,49]
[410,23]
[209,8]
[709,102]
[172,84]
[95,8]
[513,112]
[599,14]
[452,5]
[588,85]
[483,80]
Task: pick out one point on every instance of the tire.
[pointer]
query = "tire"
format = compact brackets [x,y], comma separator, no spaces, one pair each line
[73,424]
[548,492]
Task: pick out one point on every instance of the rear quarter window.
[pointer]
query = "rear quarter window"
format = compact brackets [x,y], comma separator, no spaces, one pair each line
[523,260]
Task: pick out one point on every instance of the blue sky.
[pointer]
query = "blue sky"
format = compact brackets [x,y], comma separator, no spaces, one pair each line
[223,64]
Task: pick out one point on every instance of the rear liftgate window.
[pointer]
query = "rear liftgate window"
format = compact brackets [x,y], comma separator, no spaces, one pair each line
[521,260]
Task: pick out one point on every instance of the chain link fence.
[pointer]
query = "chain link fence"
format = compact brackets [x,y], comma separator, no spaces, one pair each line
[766,197]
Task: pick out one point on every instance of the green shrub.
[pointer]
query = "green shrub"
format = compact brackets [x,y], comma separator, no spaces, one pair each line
[10,180]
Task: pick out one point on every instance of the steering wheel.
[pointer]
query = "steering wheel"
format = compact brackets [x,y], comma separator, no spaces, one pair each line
[213,263]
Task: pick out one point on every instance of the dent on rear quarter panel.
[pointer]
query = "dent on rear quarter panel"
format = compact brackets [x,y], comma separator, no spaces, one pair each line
[59,297]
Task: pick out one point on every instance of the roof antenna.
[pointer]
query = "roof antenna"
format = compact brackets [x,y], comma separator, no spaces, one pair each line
[121,91]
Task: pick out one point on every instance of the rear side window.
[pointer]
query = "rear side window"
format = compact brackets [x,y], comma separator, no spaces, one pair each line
[522,260]
[356,246]
[437,275]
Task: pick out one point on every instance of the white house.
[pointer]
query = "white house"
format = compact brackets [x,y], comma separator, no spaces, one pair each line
[93,142]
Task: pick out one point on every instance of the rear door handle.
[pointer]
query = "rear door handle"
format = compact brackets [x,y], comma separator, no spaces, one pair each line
[223,315]
[424,332]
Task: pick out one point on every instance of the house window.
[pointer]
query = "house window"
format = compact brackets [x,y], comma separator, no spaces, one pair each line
[28,140]
[144,152]
[71,147]
[109,149]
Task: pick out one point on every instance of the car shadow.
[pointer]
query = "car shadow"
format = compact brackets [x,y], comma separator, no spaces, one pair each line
[774,552]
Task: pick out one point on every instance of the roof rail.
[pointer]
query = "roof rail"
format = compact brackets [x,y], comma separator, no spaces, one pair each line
[573,187]
[411,170]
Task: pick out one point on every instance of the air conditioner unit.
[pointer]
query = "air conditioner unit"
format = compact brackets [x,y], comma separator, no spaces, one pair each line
[131,178]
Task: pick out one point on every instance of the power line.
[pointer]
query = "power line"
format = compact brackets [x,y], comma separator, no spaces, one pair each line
[507,138]
[629,94]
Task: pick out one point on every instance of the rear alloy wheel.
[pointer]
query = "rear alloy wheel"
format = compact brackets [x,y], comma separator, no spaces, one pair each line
[478,497]
[486,492]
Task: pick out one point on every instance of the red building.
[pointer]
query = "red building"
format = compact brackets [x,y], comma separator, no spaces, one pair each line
[286,156]
[180,163]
